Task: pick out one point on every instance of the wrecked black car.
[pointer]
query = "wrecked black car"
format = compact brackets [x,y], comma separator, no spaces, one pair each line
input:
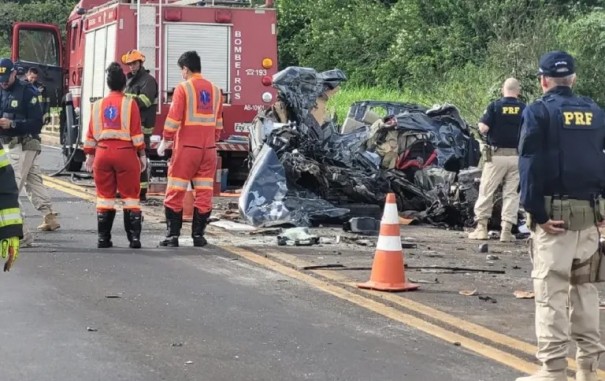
[307,170]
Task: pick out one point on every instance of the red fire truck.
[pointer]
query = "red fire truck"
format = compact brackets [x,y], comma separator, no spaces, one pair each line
[236,41]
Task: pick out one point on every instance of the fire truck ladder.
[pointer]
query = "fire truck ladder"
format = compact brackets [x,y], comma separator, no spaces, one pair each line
[149,26]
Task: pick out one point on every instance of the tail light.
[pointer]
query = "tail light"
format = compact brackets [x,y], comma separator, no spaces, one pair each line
[267,80]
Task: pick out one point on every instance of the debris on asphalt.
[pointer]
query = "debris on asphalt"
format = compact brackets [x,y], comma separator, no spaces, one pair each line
[424,281]
[231,215]
[266,232]
[491,257]
[454,269]
[188,362]
[407,245]
[362,225]
[354,240]
[519,294]
[363,242]
[91,329]
[488,299]
[177,344]
[297,237]
[233,226]
[320,267]
[493,234]
[468,293]
[432,254]
[112,296]
[483,248]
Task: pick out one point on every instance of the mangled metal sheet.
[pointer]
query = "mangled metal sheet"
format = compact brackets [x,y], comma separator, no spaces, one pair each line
[266,200]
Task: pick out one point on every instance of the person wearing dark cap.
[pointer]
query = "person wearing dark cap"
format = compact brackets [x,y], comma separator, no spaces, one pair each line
[562,177]
[115,149]
[500,124]
[20,121]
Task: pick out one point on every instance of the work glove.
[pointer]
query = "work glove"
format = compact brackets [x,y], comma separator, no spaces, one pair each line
[90,159]
[143,160]
[9,247]
[162,148]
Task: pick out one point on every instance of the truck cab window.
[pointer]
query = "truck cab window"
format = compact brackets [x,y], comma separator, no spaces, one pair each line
[39,46]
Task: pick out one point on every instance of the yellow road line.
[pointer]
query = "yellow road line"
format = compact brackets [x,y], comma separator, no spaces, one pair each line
[390,312]
[65,187]
[463,325]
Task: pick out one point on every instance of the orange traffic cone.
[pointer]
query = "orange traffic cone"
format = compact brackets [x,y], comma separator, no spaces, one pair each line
[188,205]
[388,273]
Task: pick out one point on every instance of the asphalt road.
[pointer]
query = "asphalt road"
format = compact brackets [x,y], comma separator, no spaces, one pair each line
[70,311]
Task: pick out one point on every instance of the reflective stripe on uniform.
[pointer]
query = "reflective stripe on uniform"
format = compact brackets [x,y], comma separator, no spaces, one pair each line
[203,183]
[131,203]
[144,184]
[192,116]
[10,216]
[113,134]
[219,99]
[148,130]
[145,100]
[106,203]
[177,183]
[171,124]
[90,144]
[138,140]
[3,159]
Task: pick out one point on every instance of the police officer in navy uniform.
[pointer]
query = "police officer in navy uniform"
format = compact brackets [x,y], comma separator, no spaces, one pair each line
[20,116]
[562,177]
[501,123]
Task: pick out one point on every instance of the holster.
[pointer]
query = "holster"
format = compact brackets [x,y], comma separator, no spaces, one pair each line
[590,271]
[600,276]
[487,152]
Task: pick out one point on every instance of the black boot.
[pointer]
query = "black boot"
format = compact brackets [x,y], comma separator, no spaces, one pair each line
[132,225]
[174,222]
[105,222]
[198,227]
[143,195]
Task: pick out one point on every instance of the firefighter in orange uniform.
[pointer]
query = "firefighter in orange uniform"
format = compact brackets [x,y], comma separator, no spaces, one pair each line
[195,122]
[115,150]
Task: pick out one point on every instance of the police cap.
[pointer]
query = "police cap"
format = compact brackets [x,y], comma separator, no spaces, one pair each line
[6,68]
[556,64]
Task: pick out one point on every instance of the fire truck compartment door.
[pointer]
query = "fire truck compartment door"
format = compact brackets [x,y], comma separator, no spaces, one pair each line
[212,44]
[99,52]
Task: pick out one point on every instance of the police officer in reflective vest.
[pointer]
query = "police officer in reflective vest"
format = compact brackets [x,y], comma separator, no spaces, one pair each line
[195,122]
[144,89]
[21,117]
[501,123]
[115,151]
[562,177]
[11,224]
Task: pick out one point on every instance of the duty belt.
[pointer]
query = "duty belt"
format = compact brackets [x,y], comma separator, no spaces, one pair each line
[576,214]
[504,151]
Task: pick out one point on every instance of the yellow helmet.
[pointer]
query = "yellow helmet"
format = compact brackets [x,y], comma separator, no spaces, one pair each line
[133,56]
